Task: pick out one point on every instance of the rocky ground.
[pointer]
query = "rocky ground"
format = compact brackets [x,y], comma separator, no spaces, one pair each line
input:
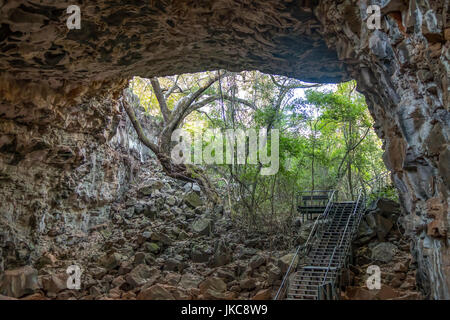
[137,234]
[381,242]
[163,242]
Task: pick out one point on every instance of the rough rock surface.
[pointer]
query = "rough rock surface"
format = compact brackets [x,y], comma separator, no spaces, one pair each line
[118,39]
[403,70]
[123,251]
[397,266]
[59,91]
[134,256]
[19,282]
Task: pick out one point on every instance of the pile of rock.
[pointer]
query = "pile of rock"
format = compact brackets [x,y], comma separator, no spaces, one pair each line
[163,242]
[380,242]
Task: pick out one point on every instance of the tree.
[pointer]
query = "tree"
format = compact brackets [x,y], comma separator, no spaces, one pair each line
[344,118]
[172,119]
[325,142]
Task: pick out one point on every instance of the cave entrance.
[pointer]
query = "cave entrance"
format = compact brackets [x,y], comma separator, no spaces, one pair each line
[56,82]
[326,141]
[328,125]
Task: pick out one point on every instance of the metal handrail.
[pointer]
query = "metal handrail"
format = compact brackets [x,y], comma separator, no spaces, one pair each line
[328,284]
[367,186]
[357,203]
[305,246]
[353,214]
[375,185]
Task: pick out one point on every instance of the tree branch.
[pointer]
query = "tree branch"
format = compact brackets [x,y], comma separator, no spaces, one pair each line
[194,96]
[137,126]
[161,99]
[172,89]
[210,99]
[350,150]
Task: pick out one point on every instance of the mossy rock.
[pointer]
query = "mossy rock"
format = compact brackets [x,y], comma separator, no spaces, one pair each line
[193,200]
[152,247]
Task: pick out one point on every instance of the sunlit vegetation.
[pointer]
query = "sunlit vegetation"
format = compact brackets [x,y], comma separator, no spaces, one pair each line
[326,135]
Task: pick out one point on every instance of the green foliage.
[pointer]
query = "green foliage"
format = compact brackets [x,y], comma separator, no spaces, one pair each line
[386,192]
[326,136]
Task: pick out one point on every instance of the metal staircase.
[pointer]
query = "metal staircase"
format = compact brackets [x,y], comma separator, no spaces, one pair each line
[317,275]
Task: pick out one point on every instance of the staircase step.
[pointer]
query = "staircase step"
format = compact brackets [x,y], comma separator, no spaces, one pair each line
[306,295]
[328,251]
[298,282]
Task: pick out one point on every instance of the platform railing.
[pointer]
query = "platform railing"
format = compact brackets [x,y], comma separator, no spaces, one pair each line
[303,249]
[310,203]
[329,288]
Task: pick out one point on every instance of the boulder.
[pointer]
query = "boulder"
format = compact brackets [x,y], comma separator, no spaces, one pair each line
[264,294]
[173,264]
[155,292]
[213,288]
[248,284]
[285,261]
[358,293]
[193,200]
[172,278]
[111,261]
[196,188]
[191,187]
[171,200]
[410,296]
[162,238]
[189,281]
[152,247]
[125,267]
[387,207]
[139,258]
[213,283]
[401,266]
[19,282]
[201,253]
[150,188]
[36,296]
[147,209]
[203,226]
[226,275]
[95,291]
[183,235]
[384,252]
[304,232]
[138,276]
[46,260]
[118,281]
[370,220]
[364,231]
[145,236]
[386,292]
[384,225]
[257,261]
[274,274]
[222,254]
[55,283]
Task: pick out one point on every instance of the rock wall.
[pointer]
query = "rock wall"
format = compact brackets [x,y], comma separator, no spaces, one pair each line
[381,241]
[152,237]
[61,176]
[59,90]
[403,71]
